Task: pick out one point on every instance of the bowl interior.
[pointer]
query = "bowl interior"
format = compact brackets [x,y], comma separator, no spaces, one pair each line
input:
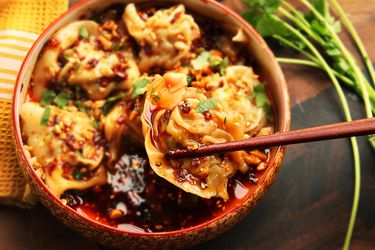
[264,64]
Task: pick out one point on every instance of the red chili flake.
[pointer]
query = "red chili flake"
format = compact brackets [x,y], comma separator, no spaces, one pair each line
[148,50]
[185,107]
[53,43]
[197,43]
[70,141]
[121,57]
[92,63]
[76,43]
[177,16]
[67,169]
[120,73]
[51,166]
[142,15]
[221,84]
[167,114]
[207,115]
[105,82]
[55,120]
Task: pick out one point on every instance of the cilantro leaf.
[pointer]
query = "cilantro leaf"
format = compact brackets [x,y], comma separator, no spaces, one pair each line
[224,65]
[84,32]
[62,99]
[45,116]
[258,9]
[261,100]
[140,87]
[47,98]
[201,61]
[206,105]
[267,26]
[190,79]
[215,63]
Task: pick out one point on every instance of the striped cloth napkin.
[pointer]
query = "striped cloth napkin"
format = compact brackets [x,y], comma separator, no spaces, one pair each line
[20,23]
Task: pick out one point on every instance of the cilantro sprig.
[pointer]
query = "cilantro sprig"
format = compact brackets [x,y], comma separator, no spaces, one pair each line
[206,105]
[140,87]
[314,35]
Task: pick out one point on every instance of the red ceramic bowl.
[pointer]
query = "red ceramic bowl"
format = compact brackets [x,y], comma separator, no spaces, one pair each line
[265,65]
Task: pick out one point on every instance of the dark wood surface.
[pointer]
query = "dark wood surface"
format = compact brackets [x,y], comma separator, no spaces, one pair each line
[309,204]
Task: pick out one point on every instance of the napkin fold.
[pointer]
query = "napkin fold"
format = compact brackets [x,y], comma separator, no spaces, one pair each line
[20,23]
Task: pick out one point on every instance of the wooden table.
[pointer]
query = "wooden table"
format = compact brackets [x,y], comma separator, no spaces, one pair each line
[309,204]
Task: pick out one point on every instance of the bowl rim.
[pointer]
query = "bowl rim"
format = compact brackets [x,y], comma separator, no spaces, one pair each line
[285,125]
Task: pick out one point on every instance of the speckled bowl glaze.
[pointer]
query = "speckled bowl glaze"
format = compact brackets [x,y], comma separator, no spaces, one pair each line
[264,63]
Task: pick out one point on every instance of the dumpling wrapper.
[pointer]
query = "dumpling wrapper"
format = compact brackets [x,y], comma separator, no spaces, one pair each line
[165,38]
[207,176]
[53,146]
[86,65]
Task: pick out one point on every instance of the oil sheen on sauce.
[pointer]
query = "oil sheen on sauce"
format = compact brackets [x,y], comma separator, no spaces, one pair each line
[135,199]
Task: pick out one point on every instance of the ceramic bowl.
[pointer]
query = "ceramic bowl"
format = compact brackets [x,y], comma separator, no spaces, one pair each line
[265,65]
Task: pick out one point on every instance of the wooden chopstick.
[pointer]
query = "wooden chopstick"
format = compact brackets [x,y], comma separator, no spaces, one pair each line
[319,133]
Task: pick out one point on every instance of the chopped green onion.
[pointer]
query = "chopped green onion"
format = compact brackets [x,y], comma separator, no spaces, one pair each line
[45,116]
[47,98]
[215,63]
[206,105]
[224,65]
[189,80]
[66,57]
[84,32]
[62,99]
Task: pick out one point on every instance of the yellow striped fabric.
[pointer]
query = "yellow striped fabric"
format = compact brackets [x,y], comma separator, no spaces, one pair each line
[20,23]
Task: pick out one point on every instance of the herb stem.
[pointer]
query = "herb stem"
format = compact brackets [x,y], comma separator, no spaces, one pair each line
[348,24]
[297,13]
[314,64]
[357,73]
[301,25]
[357,165]
[293,46]
[349,82]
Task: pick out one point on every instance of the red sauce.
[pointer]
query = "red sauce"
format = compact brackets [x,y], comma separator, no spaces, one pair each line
[148,203]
